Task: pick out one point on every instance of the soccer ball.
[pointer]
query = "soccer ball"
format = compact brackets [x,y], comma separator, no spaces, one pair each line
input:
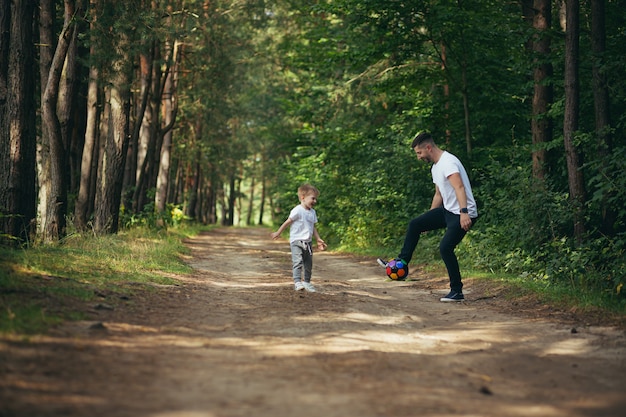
[397,269]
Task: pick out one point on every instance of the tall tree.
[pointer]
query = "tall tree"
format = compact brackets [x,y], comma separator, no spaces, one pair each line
[602,103]
[571,116]
[54,147]
[89,163]
[148,146]
[47,44]
[145,71]
[116,135]
[17,119]
[71,105]
[170,108]
[541,123]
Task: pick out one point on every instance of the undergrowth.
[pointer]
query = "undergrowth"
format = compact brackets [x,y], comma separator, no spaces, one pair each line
[46,284]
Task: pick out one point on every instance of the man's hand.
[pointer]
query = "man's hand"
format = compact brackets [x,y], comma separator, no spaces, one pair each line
[466,221]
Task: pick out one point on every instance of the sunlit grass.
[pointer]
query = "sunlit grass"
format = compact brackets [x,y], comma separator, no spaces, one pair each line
[39,285]
[129,256]
[564,296]
[558,295]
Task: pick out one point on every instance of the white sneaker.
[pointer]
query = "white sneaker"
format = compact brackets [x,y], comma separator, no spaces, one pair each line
[308,286]
[299,286]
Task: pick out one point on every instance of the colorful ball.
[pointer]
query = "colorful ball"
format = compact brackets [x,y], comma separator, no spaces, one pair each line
[397,269]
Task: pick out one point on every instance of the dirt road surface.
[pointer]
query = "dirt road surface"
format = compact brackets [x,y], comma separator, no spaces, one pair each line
[235,339]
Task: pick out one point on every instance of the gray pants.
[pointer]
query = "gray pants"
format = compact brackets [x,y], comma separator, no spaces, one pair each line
[302,259]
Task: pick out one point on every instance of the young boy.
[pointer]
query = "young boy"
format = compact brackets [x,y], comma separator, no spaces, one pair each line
[302,220]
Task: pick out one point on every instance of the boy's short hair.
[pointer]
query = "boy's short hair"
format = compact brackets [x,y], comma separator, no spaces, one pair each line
[306,189]
[422,137]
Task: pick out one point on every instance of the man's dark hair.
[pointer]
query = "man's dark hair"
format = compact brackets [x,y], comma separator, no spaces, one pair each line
[421,138]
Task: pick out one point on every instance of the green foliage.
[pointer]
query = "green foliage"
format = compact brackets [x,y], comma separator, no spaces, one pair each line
[148,216]
[524,229]
[607,180]
[364,76]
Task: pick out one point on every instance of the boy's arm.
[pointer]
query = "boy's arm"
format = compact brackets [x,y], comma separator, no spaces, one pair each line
[282,227]
[321,245]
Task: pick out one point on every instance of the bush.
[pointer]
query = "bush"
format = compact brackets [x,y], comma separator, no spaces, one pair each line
[524,229]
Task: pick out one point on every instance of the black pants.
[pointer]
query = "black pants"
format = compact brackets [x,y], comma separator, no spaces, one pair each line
[438,218]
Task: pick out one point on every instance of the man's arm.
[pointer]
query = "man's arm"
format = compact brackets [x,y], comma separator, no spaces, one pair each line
[437,199]
[459,191]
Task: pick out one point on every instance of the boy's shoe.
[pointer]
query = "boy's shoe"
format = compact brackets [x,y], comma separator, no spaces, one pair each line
[299,286]
[308,286]
[452,297]
[382,262]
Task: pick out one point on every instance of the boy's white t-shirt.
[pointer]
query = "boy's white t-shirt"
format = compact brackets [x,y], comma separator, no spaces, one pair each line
[447,165]
[303,224]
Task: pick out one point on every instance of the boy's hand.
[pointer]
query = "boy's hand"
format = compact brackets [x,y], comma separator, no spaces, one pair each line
[321,245]
[275,235]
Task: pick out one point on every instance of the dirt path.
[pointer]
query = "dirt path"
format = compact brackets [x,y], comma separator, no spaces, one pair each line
[234,339]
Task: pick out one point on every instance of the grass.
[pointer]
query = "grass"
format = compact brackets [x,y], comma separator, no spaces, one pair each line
[566,296]
[44,285]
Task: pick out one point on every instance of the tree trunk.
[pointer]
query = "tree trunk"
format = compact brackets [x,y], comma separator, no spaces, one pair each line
[209,198]
[238,201]
[176,183]
[263,194]
[232,199]
[148,138]
[53,152]
[169,110]
[146,61]
[446,95]
[600,85]
[89,160]
[466,110]
[541,124]
[67,110]
[570,122]
[211,195]
[602,104]
[5,139]
[194,205]
[221,196]
[46,53]
[465,90]
[17,120]
[109,186]
[250,202]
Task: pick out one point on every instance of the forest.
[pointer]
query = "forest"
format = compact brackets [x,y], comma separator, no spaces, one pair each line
[122,113]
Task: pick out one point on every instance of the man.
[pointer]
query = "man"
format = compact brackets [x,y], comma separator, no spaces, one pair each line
[453,208]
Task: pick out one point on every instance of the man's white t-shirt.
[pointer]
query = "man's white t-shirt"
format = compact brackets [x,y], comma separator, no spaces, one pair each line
[303,224]
[447,165]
